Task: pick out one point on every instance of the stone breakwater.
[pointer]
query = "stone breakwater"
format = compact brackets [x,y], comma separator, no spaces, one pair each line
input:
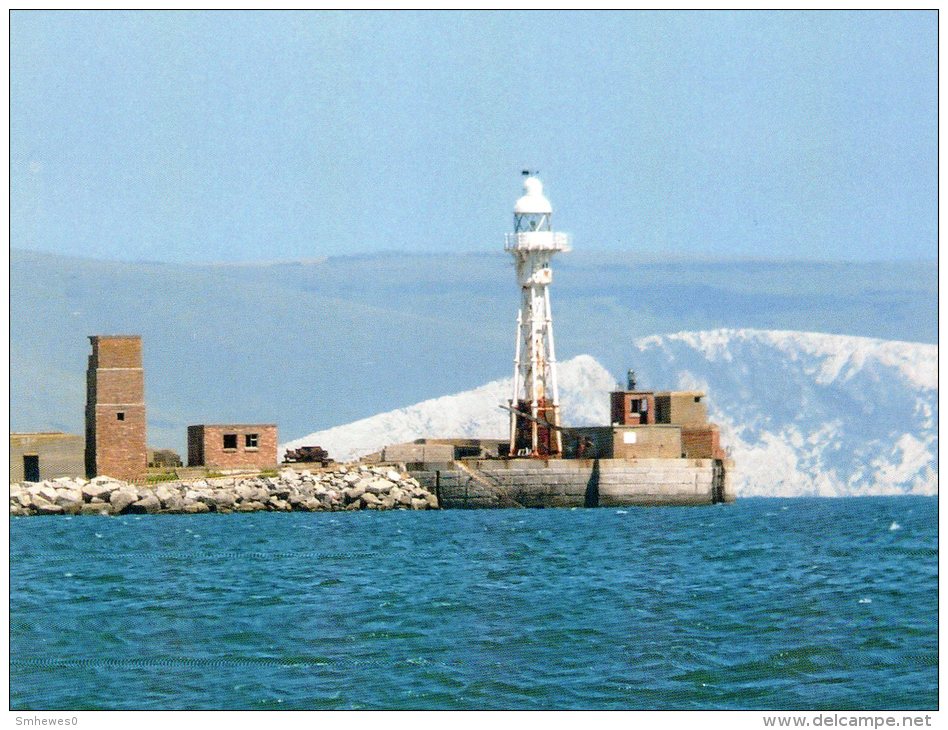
[345,488]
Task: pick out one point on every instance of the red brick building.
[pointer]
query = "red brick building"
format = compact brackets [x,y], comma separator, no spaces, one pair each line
[233,446]
[632,408]
[115,408]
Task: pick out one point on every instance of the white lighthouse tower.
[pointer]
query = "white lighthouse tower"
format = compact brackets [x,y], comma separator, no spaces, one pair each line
[533,244]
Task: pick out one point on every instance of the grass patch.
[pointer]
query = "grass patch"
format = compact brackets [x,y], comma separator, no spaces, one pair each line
[269,473]
[165,476]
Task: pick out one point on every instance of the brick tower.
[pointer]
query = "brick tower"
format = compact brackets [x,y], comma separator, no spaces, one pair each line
[115,408]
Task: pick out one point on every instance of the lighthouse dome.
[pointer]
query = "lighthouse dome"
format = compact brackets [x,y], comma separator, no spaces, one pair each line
[533,200]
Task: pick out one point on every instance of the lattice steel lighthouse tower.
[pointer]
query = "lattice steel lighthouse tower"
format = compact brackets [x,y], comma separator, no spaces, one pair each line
[533,244]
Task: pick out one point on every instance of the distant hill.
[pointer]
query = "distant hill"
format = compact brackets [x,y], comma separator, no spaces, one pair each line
[311,345]
[802,413]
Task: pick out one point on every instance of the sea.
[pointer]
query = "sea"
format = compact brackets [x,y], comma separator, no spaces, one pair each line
[762,604]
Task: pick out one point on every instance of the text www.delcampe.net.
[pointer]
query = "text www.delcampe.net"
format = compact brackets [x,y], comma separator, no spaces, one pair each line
[837,720]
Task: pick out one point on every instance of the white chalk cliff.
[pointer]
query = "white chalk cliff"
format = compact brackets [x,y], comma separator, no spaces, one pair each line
[802,413]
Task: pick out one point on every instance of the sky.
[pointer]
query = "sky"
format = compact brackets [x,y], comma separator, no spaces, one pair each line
[247,136]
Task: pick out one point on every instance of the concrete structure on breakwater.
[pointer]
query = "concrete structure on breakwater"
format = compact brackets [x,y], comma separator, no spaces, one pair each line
[486,483]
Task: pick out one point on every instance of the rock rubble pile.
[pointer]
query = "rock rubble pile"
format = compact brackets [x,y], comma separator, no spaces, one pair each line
[344,488]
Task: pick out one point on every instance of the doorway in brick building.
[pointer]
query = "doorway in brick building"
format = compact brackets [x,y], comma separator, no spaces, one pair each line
[31,467]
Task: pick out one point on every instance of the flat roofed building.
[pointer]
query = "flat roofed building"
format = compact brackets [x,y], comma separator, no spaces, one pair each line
[681,407]
[233,445]
[47,455]
[439,450]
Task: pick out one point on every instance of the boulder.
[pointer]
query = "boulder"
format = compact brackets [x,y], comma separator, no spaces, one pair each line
[43,507]
[196,507]
[43,491]
[170,498]
[351,478]
[353,493]
[100,508]
[94,490]
[297,500]
[379,486]
[419,504]
[122,499]
[388,501]
[104,480]
[250,506]
[173,505]
[370,500]
[163,492]
[313,505]
[22,498]
[278,504]
[149,504]
[432,501]
[68,496]
[207,497]
[393,476]
[289,475]
[223,498]
[246,492]
[18,510]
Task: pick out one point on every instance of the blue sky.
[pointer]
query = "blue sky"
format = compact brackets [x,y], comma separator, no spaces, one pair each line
[213,136]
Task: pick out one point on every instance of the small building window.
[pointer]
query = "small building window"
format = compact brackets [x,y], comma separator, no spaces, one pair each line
[120,415]
[697,399]
[634,405]
[250,440]
[230,440]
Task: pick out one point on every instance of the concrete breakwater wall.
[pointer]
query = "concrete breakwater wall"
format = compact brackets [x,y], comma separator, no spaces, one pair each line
[480,483]
[345,488]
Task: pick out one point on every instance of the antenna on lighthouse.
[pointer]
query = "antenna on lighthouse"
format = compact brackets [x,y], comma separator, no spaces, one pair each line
[535,405]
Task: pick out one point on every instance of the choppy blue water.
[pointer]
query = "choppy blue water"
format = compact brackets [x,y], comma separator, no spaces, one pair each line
[767,603]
